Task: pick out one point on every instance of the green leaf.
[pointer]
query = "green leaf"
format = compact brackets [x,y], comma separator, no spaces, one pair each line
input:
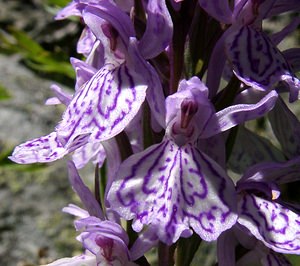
[4,94]
[34,54]
[59,3]
[249,149]
[8,164]
[25,43]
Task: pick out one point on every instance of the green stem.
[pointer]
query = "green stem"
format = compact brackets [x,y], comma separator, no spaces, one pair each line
[124,145]
[181,25]
[165,254]
[147,130]
[103,179]
[226,97]
[97,185]
[230,141]
[186,249]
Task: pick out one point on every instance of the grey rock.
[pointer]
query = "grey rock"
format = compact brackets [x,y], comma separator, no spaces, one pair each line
[33,229]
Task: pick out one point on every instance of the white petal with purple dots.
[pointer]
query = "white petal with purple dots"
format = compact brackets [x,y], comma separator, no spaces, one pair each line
[174,189]
[276,226]
[40,150]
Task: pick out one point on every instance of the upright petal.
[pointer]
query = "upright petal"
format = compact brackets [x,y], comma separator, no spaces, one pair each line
[83,192]
[115,16]
[237,114]
[105,239]
[86,42]
[62,97]
[158,32]
[84,72]
[174,189]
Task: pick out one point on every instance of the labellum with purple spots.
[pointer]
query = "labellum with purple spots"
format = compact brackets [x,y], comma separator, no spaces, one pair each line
[173,186]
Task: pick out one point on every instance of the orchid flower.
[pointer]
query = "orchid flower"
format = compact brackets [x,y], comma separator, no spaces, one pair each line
[254,59]
[261,210]
[104,241]
[105,104]
[266,225]
[173,186]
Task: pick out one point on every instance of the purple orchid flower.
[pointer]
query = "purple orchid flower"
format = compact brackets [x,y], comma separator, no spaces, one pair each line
[254,58]
[266,225]
[104,104]
[104,240]
[267,217]
[173,186]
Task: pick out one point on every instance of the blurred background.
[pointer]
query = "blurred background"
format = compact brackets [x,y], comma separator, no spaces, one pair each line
[34,53]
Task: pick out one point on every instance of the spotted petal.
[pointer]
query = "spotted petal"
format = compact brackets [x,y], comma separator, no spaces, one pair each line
[276,226]
[44,149]
[106,104]
[174,189]
[257,62]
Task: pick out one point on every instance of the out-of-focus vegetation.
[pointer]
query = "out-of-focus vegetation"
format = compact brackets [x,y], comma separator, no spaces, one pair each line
[43,44]
[33,230]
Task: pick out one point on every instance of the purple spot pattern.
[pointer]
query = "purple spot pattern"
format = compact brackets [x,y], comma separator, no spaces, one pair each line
[276,226]
[104,106]
[174,189]
[44,149]
[255,59]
